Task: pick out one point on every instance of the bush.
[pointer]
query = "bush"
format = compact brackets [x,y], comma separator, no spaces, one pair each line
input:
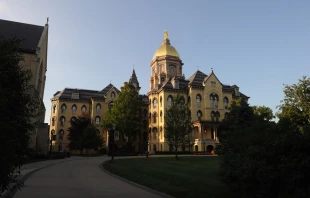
[173,153]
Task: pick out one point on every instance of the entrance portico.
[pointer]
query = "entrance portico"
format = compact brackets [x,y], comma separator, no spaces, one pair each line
[205,135]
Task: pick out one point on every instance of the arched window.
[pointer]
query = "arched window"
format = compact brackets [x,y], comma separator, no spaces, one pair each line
[98,108]
[63,108]
[97,120]
[169,101]
[214,98]
[53,135]
[73,119]
[172,71]
[161,132]
[225,102]
[154,103]
[145,113]
[217,116]
[211,102]
[110,105]
[54,108]
[53,121]
[61,134]
[154,117]
[226,115]
[212,115]
[161,115]
[150,116]
[62,120]
[199,114]
[188,99]
[198,100]
[215,102]
[83,109]
[154,133]
[161,101]
[113,95]
[74,109]
[150,102]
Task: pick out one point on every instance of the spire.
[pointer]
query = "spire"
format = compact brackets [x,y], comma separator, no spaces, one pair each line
[133,75]
[166,40]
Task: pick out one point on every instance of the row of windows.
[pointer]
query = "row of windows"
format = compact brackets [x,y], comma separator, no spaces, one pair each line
[83,108]
[214,100]
[63,120]
[61,134]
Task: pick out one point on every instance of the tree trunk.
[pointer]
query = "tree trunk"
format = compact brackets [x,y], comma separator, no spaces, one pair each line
[176,153]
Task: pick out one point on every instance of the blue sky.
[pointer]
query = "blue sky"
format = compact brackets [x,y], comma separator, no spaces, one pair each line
[258,45]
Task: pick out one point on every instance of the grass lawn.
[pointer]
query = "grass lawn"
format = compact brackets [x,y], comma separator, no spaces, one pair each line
[187,177]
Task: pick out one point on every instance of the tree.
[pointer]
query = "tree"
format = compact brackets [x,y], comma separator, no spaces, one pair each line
[124,113]
[263,112]
[178,124]
[296,103]
[19,113]
[83,134]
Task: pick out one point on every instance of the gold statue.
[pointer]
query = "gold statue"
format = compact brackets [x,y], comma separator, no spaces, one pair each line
[165,34]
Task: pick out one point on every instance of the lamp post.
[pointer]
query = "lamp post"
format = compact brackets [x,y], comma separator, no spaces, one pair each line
[112,142]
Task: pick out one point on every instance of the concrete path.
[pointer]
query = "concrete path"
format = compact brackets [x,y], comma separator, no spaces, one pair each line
[76,177]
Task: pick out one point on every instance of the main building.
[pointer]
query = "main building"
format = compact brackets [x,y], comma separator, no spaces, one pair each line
[207,98]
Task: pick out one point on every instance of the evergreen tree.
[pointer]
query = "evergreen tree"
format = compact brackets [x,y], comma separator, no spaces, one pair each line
[19,105]
[178,124]
[263,112]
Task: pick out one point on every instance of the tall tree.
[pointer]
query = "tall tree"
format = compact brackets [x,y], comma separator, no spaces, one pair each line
[124,113]
[19,110]
[178,124]
[296,103]
[83,135]
[263,112]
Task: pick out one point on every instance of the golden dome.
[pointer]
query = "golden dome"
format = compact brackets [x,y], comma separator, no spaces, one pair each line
[166,48]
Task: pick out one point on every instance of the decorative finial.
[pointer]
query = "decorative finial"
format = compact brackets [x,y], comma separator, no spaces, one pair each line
[133,66]
[211,68]
[197,67]
[165,35]
[47,20]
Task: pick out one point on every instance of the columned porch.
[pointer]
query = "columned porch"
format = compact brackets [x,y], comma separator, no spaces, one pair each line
[205,135]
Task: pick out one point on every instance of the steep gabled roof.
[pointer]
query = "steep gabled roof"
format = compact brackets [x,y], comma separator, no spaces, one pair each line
[197,78]
[108,88]
[29,34]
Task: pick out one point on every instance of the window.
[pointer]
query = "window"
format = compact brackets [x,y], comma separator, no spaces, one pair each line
[154,117]
[113,95]
[217,116]
[161,132]
[144,124]
[198,100]
[172,71]
[161,115]
[83,109]
[63,108]
[214,98]
[212,133]
[154,103]
[199,114]
[110,105]
[225,102]
[154,133]
[188,99]
[53,135]
[97,120]
[61,134]
[73,109]
[98,132]
[98,108]
[62,121]
[150,116]
[169,101]
[54,108]
[212,116]
[161,101]
[53,121]
[73,119]
[211,102]
[226,115]
[145,113]
[215,102]
[212,84]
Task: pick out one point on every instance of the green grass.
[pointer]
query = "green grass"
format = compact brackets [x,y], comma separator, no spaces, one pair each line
[187,177]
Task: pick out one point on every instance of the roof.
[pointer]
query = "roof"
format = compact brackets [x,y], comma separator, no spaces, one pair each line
[108,88]
[29,34]
[84,94]
[197,78]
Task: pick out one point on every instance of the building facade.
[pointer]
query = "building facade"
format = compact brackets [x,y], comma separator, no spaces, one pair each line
[208,99]
[33,47]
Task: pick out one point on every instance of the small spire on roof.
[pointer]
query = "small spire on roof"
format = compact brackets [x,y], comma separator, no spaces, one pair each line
[211,69]
[47,20]
[165,34]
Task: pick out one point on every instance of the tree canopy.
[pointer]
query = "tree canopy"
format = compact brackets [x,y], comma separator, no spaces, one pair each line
[19,110]
[178,124]
[124,113]
[83,134]
[263,112]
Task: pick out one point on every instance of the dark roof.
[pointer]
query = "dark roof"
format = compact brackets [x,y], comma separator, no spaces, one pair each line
[197,78]
[84,94]
[108,88]
[30,34]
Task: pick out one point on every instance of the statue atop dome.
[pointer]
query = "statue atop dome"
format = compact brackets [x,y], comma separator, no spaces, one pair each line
[165,35]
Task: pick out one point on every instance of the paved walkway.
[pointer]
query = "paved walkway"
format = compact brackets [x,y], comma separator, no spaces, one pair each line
[76,177]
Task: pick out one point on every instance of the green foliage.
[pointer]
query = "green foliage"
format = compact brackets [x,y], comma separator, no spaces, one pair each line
[83,135]
[124,113]
[296,103]
[178,125]
[263,112]
[19,111]
[262,158]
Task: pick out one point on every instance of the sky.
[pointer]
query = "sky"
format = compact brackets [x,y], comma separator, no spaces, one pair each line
[257,45]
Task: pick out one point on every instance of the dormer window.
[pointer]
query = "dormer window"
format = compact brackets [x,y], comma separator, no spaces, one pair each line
[75,96]
[113,95]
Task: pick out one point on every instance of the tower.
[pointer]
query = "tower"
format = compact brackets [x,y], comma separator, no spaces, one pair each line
[166,64]
[134,80]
